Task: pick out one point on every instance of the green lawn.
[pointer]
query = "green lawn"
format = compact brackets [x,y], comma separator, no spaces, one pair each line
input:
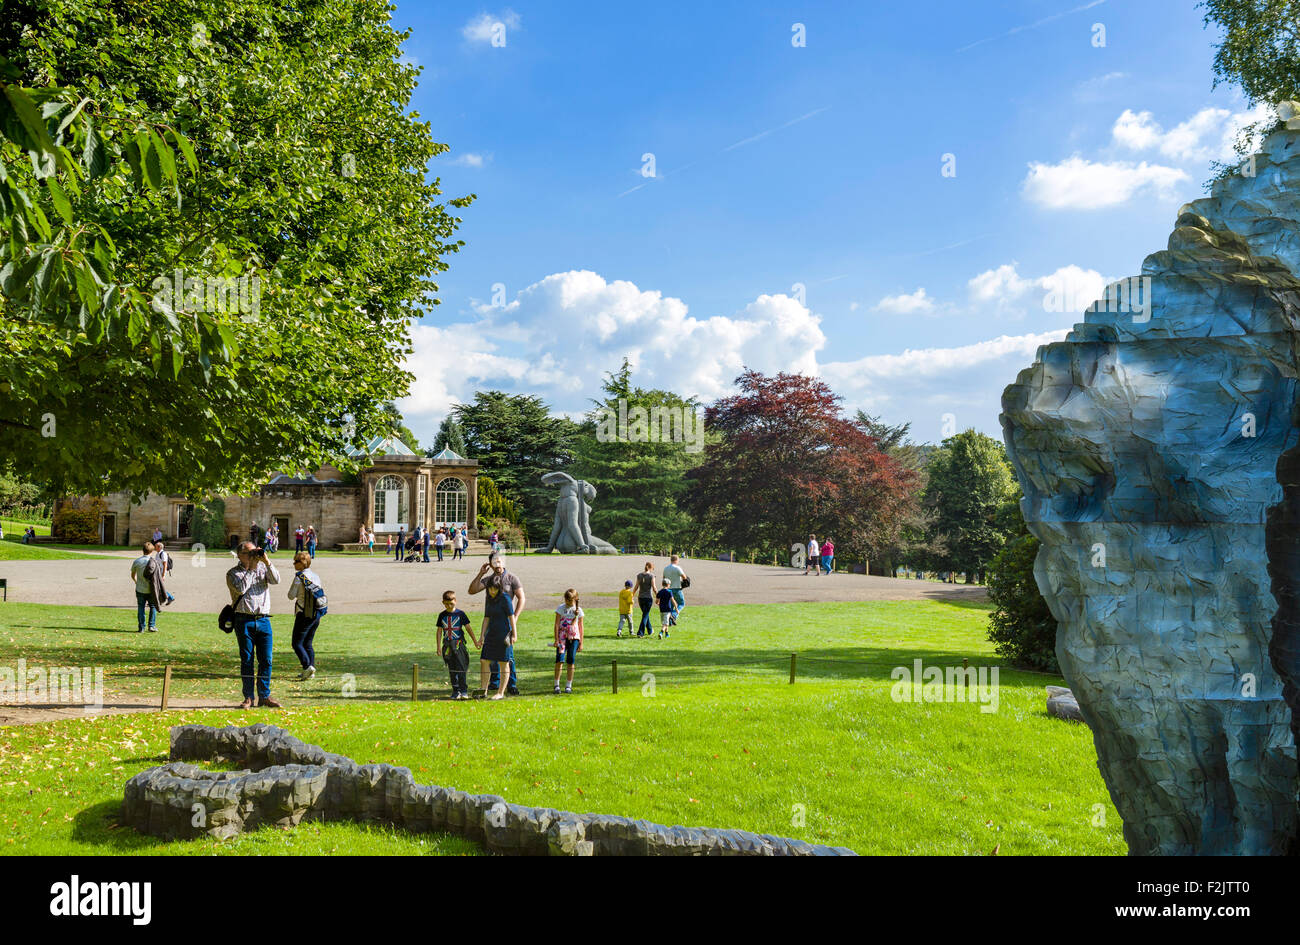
[705,731]
[12,549]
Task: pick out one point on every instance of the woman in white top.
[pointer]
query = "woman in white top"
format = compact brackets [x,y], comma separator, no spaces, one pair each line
[568,637]
[304,604]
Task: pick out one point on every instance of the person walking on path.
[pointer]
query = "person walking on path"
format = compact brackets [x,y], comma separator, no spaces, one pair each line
[500,632]
[568,637]
[401,542]
[148,587]
[493,573]
[250,595]
[306,620]
[675,577]
[645,595]
[299,539]
[165,562]
[624,609]
[370,539]
[828,556]
[311,541]
[814,559]
[453,623]
[667,609]
[462,544]
[438,543]
[426,541]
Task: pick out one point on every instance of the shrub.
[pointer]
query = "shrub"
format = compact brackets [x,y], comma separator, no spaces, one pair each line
[493,505]
[510,534]
[78,521]
[209,525]
[1021,627]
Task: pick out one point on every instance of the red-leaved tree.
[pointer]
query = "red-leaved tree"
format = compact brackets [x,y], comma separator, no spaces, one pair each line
[782,461]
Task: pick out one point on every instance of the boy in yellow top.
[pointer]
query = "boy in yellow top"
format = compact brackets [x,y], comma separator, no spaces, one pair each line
[625,609]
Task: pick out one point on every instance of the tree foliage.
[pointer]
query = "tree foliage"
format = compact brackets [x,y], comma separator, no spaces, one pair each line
[449,437]
[970,482]
[640,486]
[1021,626]
[516,440]
[78,521]
[196,142]
[494,506]
[786,463]
[1260,49]
[209,525]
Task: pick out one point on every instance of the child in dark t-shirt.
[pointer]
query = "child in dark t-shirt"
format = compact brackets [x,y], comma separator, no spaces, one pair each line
[667,608]
[453,624]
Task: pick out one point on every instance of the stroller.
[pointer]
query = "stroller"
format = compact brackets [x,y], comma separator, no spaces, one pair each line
[412,551]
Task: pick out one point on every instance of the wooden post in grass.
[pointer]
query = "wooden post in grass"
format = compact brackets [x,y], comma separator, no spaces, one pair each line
[792,662]
[965,679]
[613,668]
[415,681]
[167,687]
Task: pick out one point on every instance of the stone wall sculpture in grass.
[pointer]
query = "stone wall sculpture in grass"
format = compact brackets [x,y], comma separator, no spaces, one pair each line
[289,781]
[1157,449]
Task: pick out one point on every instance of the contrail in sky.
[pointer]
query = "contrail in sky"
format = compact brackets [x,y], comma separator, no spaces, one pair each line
[1030,26]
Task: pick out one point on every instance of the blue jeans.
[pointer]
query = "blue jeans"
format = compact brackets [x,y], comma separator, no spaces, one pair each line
[677,596]
[439,547]
[828,563]
[304,631]
[253,634]
[141,600]
[400,543]
[644,627]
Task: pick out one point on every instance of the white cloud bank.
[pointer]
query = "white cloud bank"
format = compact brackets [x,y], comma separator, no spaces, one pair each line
[559,336]
[1079,184]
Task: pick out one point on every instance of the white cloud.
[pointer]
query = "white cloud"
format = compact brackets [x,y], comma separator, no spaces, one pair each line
[916,303]
[922,385]
[1079,184]
[470,159]
[1068,289]
[480,29]
[559,336]
[1209,135]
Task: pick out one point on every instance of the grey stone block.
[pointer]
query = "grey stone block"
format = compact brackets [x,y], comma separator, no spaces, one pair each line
[288,781]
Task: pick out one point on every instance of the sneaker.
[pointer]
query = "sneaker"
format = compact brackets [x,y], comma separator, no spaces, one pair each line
[568,690]
[512,690]
[153,629]
[310,671]
[269,703]
[619,633]
[557,689]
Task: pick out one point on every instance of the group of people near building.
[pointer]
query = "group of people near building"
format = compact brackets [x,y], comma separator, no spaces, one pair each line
[416,545]
[250,580]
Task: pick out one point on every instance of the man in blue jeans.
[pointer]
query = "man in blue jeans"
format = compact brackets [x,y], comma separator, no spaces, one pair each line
[142,574]
[249,585]
[494,572]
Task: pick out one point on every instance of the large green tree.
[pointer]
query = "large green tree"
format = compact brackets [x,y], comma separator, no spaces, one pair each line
[640,481]
[969,486]
[302,173]
[516,440]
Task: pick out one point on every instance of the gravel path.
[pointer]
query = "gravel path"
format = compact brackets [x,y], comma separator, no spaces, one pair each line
[379,585]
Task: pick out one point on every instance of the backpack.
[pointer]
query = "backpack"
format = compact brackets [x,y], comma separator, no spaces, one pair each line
[317,604]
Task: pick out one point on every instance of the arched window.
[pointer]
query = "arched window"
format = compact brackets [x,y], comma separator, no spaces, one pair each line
[451,502]
[390,504]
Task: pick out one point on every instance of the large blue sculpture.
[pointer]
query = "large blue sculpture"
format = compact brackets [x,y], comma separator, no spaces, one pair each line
[1157,449]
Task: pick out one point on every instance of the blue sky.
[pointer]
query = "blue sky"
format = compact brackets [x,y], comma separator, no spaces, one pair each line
[779,165]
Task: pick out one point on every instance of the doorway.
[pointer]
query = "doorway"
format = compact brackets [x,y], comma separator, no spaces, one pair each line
[108,528]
